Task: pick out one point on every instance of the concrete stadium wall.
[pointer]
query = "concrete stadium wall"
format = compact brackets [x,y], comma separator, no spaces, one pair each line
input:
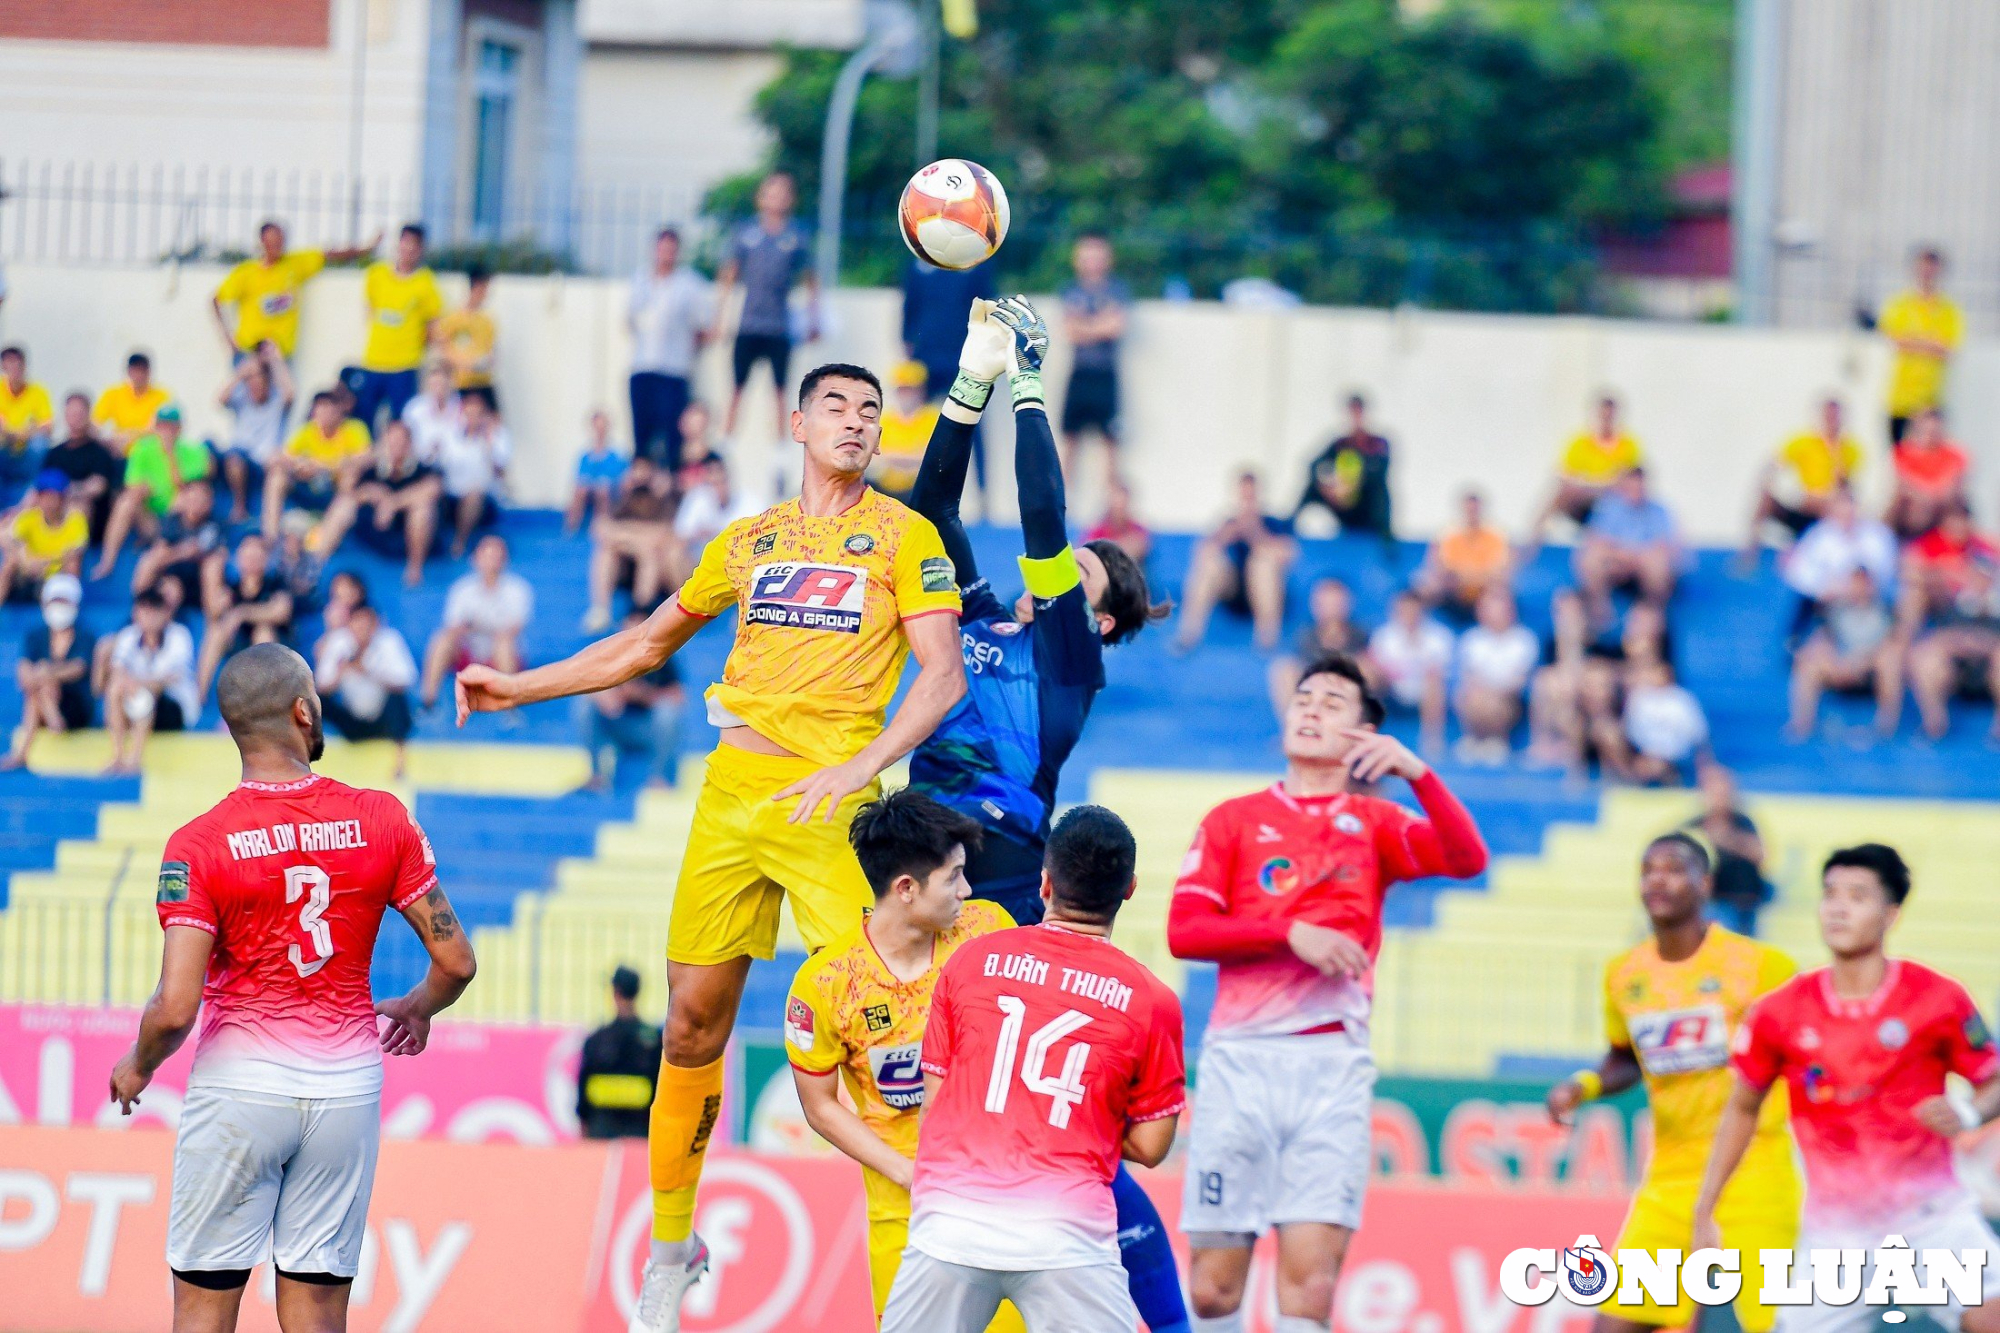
[1209,388]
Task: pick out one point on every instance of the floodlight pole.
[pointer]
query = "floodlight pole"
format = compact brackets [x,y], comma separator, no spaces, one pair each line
[891,43]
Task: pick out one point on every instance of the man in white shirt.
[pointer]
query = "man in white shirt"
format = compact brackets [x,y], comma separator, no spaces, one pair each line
[1665,728]
[1496,658]
[1409,656]
[484,614]
[364,674]
[151,682]
[433,416]
[710,506]
[1823,560]
[473,460]
[669,316]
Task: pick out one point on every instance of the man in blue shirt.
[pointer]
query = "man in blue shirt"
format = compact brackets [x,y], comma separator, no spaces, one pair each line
[1032,671]
[1630,542]
[768,256]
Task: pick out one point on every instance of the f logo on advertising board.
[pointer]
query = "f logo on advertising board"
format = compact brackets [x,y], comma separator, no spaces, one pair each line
[762,1250]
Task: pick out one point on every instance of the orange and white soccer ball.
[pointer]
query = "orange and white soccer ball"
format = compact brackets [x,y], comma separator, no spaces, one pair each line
[953,214]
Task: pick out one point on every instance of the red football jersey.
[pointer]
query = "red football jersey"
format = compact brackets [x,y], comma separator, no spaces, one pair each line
[1856,1070]
[292,880]
[1263,861]
[1050,1043]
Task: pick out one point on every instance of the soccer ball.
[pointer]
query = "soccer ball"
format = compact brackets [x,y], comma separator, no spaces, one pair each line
[953,214]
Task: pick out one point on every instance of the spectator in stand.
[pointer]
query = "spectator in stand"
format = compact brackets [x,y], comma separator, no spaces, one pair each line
[1740,889]
[53,670]
[243,604]
[767,257]
[1826,556]
[148,683]
[467,339]
[131,407]
[1591,465]
[474,465]
[365,673]
[1556,730]
[94,472]
[319,466]
[670,315]
[434,415]
[344,592]
[1350,477]
[190,537]
[634,545]
[27,419]
[1093,319]
[1665,732]
[1945,572]
[1467,561]
[1612,667]
[641,718]
[1630,542]
[710,504]
[1801,481]
[907,421]
[1242,566]
[1925,327]
[403,302]
[937,302]
[46,538]
[1930,476]
[1959,651]
[1120,526]
[484,615]
[598,471]
[393,507]
[264,293]
[1855,647]
[1496,660]
[1408,657]
[697,446]
[157,465]
[259,397]
[1332,632]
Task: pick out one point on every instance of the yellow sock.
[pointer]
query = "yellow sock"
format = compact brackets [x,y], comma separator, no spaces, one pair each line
[685,1108]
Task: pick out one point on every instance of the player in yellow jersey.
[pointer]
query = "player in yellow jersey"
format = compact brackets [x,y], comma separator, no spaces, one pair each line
[1670,1007]
[834,590]
[859,1006]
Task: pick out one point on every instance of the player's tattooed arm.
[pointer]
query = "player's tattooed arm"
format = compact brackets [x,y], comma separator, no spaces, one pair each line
[443,922]
[451,971]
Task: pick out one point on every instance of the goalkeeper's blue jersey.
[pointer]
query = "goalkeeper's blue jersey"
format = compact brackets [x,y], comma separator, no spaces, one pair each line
[997,755]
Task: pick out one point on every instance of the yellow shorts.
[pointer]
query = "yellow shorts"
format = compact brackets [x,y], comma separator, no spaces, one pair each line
[1758,1211]
[888,1237]
[743,859]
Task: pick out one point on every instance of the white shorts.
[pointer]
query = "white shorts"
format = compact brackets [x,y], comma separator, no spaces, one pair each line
[1958,1226]
[1280,1134]
[933,1296]
[257,1177]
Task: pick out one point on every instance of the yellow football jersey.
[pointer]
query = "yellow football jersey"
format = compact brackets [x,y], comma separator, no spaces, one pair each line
[1598,462]
[400,310]
[819,642]
[1677,1019]
[847,1011]
[1916,379]
[266,297]
[349,440]
[904,439]
[123,410]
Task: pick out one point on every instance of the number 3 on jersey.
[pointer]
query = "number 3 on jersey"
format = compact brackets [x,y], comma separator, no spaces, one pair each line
[1065,1090]
[310,883]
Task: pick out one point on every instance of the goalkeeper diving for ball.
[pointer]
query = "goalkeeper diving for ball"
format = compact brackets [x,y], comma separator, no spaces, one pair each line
[1032,671]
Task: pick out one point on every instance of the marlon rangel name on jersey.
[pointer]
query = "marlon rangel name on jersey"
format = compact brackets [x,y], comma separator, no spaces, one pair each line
[1891,1275]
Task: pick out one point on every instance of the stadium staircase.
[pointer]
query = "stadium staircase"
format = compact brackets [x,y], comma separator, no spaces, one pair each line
[558,886]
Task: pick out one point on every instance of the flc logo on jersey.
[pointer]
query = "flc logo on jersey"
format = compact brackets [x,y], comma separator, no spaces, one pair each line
[1680,1041]
[807,596]
[899,1074]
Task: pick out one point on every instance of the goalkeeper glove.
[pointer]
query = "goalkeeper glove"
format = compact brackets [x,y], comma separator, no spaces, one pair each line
[981,359]
[1029,345]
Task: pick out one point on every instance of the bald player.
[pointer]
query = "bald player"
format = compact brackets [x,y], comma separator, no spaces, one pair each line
[271,902]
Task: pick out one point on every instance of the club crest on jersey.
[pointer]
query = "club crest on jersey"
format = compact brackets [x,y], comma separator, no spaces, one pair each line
[1894,1034]
[1709,985]
[859,544]
[1347,823]
[798,1023]
[1587,1275]
[1277,876]
[807,596]
[173,882]
[899,1074]
[878,1017]
[765,544]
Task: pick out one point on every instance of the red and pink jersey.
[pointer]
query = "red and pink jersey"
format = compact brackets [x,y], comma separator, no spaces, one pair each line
[1261,862]
[292,880]
[1050,1043]
[1856,1070]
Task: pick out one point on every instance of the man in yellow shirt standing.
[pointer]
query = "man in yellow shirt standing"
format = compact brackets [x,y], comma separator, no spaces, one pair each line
[127,410]
[1925,327]
[466,337]
[1593,460]
[833,591]
[1810,467]
[264,292]
[908,419]
[26,417]
[403,300]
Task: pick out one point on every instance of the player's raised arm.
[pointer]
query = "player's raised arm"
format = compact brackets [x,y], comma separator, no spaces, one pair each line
[623,656]
[169,1015]
[941,476]
[451,970]
[1446,842]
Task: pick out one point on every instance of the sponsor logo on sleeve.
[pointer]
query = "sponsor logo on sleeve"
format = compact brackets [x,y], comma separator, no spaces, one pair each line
[173,883]
[798,1023]
[899,1075]
[1976,1035]
[937,574]
[797,595]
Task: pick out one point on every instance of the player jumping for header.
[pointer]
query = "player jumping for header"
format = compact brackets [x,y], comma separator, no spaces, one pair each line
[834,589]
[1863,1047]
[1670,1005]
[270,903]
[1283,889]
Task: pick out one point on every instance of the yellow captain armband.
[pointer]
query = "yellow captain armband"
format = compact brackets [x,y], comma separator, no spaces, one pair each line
[1051,576]
[1589,1082]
